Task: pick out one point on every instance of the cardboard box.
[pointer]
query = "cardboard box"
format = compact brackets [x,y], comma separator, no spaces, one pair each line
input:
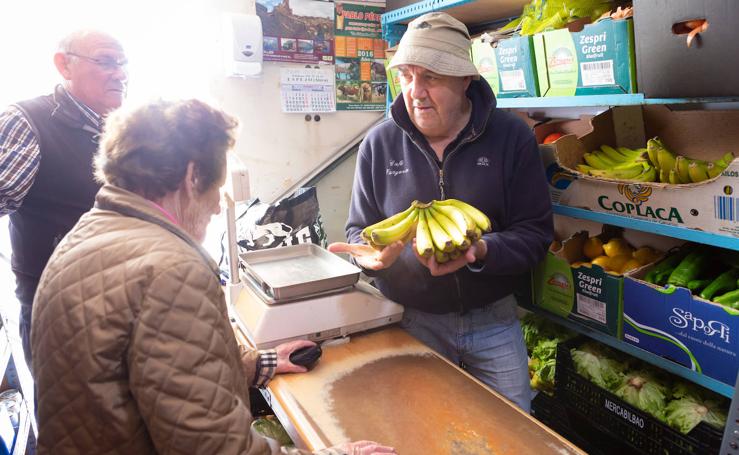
[709,206]
[587,294]
[509,68]
[393,82]
[686,329]
[668,68]
[597,60]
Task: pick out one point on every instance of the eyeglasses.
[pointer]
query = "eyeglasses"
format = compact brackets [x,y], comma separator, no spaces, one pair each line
[106,63]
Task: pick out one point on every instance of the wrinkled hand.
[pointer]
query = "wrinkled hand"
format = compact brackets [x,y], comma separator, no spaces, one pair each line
[283,356]
[368,257]
[364,448]
[476,252]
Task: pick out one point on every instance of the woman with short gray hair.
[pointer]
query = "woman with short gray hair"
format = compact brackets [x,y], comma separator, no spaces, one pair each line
[133,348]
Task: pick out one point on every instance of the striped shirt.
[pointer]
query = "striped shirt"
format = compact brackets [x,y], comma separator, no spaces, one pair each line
[20,154]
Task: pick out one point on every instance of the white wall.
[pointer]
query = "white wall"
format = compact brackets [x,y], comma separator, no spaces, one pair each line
[281,149]
[175,49]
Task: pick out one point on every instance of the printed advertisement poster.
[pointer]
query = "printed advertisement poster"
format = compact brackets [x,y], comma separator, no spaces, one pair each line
[361,82]
[299,31]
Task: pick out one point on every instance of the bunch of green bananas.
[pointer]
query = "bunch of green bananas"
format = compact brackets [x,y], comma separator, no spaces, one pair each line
[677,169]
[619,163]
[655,163]
[443,229]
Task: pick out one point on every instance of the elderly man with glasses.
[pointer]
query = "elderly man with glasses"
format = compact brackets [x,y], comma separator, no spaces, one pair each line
[46,151]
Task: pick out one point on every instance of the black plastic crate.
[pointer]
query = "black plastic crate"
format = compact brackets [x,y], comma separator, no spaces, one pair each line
[549,411]
[613,416]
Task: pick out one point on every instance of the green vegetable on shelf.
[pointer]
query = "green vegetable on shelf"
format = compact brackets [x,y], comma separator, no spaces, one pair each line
[697,285]
[689,268]
[723,283]
[659,273]
[593,362]
[730,299]
[691,405]
[643,390]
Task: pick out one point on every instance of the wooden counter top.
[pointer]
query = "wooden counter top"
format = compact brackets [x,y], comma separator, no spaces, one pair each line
[388,387]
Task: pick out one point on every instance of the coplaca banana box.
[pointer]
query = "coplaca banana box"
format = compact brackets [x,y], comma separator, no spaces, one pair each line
[585,294]
[709,206]
[509,68]
[686,329]
[598,60]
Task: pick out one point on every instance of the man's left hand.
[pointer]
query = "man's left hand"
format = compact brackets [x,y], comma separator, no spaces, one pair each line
[476,252]
[283,356]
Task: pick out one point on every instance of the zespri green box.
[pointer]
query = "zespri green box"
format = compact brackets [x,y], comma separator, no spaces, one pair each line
[598,60]
[586,294]
[509,68]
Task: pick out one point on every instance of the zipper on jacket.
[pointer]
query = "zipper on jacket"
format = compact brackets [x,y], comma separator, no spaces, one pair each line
[441,182]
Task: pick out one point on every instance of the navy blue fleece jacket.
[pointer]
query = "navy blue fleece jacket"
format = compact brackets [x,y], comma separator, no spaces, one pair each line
[494,165]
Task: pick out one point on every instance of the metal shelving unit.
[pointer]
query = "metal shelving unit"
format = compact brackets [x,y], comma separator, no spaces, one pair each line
[666,230]
[631,99]
[475,13]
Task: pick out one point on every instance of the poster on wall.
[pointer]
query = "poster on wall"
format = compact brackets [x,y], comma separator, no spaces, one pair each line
[361,82]
[299,31]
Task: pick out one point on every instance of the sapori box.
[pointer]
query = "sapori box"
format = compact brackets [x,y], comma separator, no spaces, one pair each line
[710,206]
[684,328]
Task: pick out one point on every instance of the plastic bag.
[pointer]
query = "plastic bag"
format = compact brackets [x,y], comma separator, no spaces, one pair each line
[293,220]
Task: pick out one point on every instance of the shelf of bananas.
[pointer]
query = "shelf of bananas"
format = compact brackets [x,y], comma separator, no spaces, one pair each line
[443,229]
[655,163]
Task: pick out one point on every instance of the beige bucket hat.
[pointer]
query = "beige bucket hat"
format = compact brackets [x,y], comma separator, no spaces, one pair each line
[439,43]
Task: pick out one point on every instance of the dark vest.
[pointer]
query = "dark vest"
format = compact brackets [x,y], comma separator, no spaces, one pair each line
[63,188]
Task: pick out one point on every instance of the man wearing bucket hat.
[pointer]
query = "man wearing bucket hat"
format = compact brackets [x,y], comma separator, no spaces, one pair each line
[446,139]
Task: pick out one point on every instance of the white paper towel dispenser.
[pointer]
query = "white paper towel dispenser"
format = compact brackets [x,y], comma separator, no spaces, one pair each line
[243,41]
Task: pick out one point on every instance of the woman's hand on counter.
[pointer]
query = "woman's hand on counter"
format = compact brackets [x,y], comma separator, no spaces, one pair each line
[368,257]
[283,356]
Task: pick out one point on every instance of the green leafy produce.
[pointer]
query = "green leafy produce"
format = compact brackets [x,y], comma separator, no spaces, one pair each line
[643,390]
[541,338]
[272,428]
[597,364]
[686,413]
[693,404]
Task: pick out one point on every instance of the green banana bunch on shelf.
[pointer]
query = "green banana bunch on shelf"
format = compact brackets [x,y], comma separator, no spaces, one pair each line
[443,229]
[619,163]
[655,163]
[678,169]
